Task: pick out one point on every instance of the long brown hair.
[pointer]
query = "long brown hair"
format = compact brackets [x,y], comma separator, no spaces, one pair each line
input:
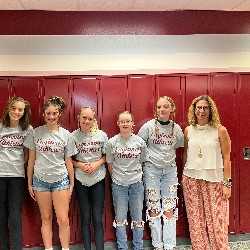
[24,121]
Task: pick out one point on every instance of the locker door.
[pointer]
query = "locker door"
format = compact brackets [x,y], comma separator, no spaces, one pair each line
[223,93]
[5,95]
[113,91]
[113,98]
[242,122]
[142,94]
[23,87]
[195,86]
[59,87]
[85,94]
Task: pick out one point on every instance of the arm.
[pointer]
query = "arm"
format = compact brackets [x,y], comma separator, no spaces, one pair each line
[110,168]
[225,144]
[69,165]
[30,171]
[26,156]
[184,158]
[92,167]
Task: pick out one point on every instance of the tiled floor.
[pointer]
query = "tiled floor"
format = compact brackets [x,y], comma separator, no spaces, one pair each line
[237,242]
[240,245]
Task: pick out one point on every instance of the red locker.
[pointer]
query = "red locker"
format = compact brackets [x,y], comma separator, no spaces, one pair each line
[242,122]
[5,95]
[223,89]
[141,99]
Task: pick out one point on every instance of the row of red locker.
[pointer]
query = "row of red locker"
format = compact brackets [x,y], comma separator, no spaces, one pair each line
[137,93]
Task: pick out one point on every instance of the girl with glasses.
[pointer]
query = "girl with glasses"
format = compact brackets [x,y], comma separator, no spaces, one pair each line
[125,154]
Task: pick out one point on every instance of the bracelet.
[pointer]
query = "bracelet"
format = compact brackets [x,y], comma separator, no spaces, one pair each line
[226,184]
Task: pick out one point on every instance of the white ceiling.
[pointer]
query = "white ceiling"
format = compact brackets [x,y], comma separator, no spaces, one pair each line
[125,5]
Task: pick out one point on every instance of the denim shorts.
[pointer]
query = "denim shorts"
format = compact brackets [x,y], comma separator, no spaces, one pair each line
[43,186]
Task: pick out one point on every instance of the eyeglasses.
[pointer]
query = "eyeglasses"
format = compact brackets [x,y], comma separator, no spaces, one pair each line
[204,108]
[124,122]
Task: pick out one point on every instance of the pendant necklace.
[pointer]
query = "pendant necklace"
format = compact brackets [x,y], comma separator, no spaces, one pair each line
[200,142]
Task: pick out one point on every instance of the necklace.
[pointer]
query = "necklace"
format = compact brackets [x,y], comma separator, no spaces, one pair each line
[200,155]
[163,123]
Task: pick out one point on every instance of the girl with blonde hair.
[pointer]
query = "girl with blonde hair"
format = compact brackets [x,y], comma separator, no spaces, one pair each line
[90,172]
[162,136]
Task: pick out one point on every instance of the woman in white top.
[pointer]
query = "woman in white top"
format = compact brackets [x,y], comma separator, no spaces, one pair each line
[90,171]
[14,127]
[50,171]
[207,176]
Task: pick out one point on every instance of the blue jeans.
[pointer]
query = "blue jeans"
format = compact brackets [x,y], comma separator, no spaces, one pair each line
[132,196]
[91,203]
[161,195]
[11,203]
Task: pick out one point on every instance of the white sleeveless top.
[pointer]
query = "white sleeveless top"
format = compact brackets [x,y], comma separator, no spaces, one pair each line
[204,157]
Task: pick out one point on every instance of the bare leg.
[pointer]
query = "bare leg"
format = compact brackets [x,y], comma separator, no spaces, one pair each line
[44,200]
[61,204]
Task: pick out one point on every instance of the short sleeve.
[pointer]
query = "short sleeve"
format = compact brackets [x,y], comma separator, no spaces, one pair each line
[143,132]
[109,154]
[70,148]
[105,141]
[29,141]
[179,138]
[144,152]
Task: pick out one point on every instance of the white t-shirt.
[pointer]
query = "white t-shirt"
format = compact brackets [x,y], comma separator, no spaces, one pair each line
[11,151]
[162,145]
[51,149]
[126,157]
[90,148]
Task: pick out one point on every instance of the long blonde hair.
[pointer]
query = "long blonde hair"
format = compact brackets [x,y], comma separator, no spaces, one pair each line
[214,119]
[172,113]
[94,128]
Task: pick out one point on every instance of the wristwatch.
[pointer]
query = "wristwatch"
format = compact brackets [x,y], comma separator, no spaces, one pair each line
[229,180]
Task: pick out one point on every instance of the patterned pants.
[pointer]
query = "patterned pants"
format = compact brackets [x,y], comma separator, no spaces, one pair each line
[207,213]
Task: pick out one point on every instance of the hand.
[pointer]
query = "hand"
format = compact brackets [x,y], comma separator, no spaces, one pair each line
[226,192]
[71,187]
[90,168]
[32,194]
